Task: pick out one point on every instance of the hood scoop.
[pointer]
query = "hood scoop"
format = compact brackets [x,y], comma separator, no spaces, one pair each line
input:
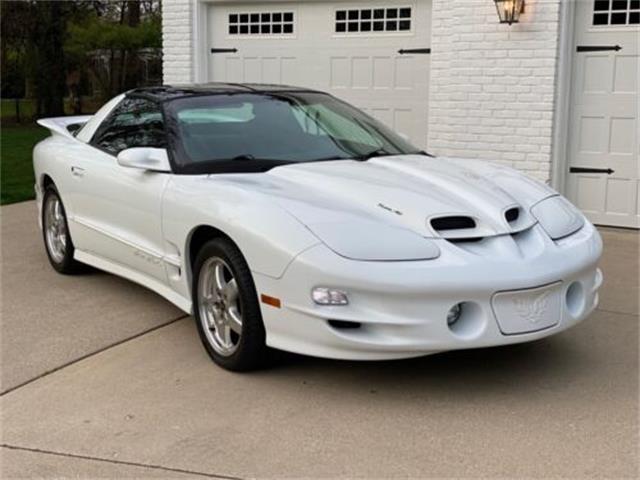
[458,228]
[444,224]
[512,215]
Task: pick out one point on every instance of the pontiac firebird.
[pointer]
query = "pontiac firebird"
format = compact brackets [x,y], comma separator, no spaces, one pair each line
[285,218]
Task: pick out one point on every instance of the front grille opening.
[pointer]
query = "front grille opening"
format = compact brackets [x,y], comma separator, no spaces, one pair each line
[344,324]
[453,223]
[512,214]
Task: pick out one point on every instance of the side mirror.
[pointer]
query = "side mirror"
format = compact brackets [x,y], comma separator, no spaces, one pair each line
[145,158]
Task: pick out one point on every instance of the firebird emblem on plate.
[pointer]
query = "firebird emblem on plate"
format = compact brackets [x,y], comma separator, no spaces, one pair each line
[532,309]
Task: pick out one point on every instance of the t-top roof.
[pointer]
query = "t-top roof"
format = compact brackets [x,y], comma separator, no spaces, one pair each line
[170,92]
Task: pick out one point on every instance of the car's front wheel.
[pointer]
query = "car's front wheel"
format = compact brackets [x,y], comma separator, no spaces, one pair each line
[55,231]
[226,307]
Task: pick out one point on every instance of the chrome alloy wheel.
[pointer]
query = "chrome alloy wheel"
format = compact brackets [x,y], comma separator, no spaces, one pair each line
[55,228]
[219,306]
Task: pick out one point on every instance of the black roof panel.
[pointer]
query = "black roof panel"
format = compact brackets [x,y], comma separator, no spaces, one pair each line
[168,92]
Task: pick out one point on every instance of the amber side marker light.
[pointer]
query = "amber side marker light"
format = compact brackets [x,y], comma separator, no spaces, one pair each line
[273,301]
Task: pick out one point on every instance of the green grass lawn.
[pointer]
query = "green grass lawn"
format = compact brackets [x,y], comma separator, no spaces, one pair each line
[8,109]
[16,170]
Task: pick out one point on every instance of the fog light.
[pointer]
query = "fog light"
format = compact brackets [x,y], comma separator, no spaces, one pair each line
[329,296]
[454,314]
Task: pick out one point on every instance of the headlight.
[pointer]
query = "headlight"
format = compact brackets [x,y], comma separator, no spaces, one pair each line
[329,296]
[369,240]
[558,217]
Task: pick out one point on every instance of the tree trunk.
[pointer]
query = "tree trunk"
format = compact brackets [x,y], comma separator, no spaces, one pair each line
[49,67]
[131,77]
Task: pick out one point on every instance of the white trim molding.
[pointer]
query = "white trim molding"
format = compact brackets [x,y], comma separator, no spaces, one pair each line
[562,103]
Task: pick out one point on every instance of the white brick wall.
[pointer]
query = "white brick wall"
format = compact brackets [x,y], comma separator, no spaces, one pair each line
[177,41]
[492,86]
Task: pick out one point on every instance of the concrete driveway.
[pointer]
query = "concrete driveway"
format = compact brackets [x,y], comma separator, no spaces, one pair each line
[101,378]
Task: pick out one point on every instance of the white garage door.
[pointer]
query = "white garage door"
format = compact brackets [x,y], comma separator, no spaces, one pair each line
[351,50]
[603,145]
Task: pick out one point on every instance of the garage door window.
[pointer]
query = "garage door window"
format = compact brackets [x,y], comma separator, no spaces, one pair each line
[261,23]
[616,12]
[367,20]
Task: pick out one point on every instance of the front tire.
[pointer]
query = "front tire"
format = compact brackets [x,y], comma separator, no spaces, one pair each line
[55,232]
[226,308]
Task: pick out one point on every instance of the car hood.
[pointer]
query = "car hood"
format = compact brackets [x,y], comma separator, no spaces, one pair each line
[405,191]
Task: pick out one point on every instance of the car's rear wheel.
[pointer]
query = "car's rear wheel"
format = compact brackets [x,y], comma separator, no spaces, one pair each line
[55,231]
[226,307]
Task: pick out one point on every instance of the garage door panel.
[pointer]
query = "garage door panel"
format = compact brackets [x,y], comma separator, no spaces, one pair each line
[625,74]
[271,70]
[363,68]
[592,134]
[382,72]
[621,133]
[603,128]
[585,185]
[619,197]
[593,74]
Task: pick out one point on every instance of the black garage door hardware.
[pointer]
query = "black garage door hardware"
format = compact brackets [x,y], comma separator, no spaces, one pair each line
[608,171]
[597,48]
[224,50]
[420,51]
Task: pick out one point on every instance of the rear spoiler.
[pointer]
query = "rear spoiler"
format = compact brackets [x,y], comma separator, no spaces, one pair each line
[64,126]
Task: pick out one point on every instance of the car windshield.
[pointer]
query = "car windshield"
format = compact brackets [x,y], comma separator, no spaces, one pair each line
[255,132]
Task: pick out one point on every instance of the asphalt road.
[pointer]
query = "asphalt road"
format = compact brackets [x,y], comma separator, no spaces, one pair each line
[101,378]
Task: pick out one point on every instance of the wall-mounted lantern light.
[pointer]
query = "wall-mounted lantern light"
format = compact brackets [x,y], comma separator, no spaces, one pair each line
[509,10]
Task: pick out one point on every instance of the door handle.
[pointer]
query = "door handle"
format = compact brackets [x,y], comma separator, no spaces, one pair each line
[77,171]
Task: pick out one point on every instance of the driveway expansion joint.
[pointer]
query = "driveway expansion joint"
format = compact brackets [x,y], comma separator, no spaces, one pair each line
[120,462]
[91,354]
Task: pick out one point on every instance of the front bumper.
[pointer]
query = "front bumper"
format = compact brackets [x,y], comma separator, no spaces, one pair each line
[402,306]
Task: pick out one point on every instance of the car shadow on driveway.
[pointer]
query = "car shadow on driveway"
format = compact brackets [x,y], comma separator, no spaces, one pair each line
[551,361]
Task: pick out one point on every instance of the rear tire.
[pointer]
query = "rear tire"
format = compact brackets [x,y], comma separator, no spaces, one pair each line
[225,304]
[55,233]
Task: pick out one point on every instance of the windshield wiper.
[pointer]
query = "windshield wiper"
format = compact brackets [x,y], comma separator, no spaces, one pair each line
[383,153]
[247,157]
[378,152]
[422,152]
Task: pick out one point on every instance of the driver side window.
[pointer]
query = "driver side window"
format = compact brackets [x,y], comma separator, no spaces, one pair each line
[136,122]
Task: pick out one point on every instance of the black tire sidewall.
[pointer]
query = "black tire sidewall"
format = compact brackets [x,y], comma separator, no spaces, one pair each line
[251,351]
[68,264]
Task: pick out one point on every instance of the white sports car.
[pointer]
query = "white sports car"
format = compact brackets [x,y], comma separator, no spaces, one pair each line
[283,217]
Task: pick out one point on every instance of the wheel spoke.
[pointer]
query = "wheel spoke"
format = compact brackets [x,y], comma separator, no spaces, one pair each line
[218,276]
[224,334]
[211,320]
[230,291]
[234,320]
[207,301]
[58,211]
[50,215]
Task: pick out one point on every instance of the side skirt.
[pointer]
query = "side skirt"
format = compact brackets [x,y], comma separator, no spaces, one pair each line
[122,271]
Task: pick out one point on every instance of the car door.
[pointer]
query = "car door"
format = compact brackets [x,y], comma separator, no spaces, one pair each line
[117,209]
